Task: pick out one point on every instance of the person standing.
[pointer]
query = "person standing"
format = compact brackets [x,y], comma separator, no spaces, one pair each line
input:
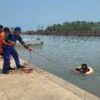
[10,50]
[2,41]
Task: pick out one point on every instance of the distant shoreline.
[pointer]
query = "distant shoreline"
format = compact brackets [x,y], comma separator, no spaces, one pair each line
[78,33]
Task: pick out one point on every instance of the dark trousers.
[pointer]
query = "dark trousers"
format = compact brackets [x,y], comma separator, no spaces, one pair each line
[7,53]
[2,54]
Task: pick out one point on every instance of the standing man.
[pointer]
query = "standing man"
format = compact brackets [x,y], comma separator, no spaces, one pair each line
[2,41]
[9,50]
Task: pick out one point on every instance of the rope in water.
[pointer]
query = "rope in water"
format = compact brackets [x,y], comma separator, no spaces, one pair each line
[50,60]
[56,63]
[29,62]
[43,57]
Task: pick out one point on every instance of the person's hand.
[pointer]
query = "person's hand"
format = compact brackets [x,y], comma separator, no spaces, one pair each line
[12,43]
[30,49]
[81,70]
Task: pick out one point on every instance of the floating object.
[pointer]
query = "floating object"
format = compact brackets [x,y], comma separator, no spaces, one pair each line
[27,70]
[88,73]
[31,42]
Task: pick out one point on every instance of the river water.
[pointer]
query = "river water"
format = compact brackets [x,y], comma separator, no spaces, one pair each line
[60,55]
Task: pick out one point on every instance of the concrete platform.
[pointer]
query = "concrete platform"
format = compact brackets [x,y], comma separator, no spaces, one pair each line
[38,85]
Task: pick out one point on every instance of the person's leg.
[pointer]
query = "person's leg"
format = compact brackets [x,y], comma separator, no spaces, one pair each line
[10,68]
[6,61]
[16,58]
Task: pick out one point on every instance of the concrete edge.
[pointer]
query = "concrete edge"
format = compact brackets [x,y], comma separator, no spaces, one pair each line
[66,85]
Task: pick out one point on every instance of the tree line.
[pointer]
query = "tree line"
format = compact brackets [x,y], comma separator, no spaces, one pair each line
[67,28]
[74,26]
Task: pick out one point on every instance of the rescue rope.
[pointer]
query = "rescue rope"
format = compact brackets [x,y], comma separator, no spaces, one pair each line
[50,60]
[56,63]
[43,57]
[25,63]
[28,62]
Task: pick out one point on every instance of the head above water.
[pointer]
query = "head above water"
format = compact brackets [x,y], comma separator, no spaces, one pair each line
[84,66]
[17,30]
[1,28]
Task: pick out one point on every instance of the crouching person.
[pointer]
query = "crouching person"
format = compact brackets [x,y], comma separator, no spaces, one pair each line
[9,50]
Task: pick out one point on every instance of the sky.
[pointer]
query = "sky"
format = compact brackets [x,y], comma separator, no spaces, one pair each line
[29,14]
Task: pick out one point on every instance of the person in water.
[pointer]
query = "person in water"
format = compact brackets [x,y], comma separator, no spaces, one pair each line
[83,69]
[9,50]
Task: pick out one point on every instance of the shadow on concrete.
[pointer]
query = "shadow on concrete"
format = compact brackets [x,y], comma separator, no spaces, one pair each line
[0,71]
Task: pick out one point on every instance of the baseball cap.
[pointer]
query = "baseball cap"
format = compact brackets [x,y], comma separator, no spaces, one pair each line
[18,28]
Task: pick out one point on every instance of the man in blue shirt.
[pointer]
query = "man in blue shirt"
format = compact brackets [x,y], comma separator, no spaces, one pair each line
[9,50]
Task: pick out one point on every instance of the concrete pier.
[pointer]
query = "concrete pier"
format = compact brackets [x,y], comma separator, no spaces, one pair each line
[38,85]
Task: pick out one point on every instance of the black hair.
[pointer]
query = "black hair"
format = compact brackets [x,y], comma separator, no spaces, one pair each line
[1,26]
[6,29]
[85,66]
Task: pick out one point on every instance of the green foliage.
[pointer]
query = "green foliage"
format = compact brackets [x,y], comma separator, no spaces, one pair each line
[74,26]
[40,28]
[12,29]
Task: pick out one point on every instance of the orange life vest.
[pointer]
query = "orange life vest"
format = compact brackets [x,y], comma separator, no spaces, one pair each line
[2,41]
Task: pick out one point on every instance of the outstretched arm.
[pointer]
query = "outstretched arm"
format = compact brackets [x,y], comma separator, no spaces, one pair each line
[23,43]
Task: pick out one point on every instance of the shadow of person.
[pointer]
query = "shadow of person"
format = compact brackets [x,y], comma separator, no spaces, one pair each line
[0,71]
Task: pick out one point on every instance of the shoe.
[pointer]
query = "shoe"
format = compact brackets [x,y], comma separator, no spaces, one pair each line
[5,72]
[11,68]
[20,66]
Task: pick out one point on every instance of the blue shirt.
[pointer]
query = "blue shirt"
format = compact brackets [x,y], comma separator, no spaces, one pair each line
[14,38]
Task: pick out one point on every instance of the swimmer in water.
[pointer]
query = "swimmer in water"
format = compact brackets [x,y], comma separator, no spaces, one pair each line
[83,69]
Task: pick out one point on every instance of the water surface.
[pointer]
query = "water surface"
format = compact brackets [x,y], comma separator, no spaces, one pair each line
[64,54]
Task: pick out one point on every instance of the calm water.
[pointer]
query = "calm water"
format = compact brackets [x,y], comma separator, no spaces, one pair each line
[68,52]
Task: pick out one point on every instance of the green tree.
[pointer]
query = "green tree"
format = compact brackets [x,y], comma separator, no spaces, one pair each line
[12,29]
[74,26]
